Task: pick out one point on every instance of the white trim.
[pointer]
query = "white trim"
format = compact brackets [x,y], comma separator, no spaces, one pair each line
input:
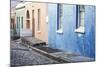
[22,4]
[60,31]
[39,31]
[80,30]
[47,19]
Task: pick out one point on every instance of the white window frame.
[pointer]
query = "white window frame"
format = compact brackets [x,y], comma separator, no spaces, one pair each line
[81,17]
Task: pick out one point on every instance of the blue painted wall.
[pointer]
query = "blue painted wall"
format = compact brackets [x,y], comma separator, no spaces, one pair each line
[69,40]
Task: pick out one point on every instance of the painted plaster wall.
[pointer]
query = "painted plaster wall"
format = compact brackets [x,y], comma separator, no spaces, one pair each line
[52,19]
[69,40]
[43,33]
[23,31]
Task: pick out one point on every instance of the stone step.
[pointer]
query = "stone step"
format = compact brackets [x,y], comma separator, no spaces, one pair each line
[31,41]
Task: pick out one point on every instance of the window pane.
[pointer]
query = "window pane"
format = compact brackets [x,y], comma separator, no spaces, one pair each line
[60,11]
[28,14]
[82,11]
[17,22]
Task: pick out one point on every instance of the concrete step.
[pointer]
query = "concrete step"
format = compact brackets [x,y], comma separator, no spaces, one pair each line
[31,41]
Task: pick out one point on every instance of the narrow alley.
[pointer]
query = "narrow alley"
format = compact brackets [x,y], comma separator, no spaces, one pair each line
[23,56]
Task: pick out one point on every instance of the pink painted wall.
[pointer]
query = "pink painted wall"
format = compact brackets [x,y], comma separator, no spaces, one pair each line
[43,33]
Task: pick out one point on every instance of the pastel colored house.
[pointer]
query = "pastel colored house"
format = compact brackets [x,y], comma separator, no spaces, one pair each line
[34,20]
[72,28]
[20,21]
[40,22]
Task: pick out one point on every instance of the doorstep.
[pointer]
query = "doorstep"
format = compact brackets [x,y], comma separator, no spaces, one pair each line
[32,41]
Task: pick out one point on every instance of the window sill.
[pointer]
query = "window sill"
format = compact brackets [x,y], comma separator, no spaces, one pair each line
[60,31]
[80,30]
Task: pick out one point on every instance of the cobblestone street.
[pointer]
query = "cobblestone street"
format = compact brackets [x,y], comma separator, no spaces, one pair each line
[23,56]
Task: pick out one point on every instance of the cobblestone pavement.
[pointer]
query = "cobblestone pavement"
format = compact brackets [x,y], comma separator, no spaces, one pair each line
[23,56]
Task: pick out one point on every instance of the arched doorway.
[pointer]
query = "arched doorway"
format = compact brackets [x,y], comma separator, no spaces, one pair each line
[27,19]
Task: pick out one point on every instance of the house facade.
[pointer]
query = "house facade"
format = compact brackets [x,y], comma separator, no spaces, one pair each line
[67,27]
[20,20]
[34,20]
[72,28]
[39,13]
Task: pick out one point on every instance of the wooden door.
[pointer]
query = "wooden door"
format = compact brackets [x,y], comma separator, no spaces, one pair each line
[33,24]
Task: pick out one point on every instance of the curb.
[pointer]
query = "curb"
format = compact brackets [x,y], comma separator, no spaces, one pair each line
[49,55]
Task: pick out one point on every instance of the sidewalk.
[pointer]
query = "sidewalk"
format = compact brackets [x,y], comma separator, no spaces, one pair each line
[56,54]
[63,57]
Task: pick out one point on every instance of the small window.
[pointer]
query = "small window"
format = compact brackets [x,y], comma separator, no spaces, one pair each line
[81,15]
[28,14]
[60,14]
[80,19]
[38,20]
[22,22]
[12,23]
[59,18]
[17,21]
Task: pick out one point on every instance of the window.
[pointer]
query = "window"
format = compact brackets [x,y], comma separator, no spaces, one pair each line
[22,22]
[28,15]
[27,19]
[80,17]
[59,18]
[17,21]
[12,23]
[81,14]
[60,13]
[38,20]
